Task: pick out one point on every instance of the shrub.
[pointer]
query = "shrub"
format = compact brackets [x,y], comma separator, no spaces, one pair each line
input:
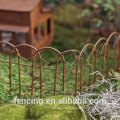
[69,13]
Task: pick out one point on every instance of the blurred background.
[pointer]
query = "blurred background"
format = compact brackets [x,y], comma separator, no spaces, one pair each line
[81,21]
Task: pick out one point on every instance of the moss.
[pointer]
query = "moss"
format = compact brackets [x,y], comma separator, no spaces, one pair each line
[54,115]
[70,110]
[12,112]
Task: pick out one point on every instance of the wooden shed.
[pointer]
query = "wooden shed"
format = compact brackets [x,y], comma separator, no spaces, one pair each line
[26,17]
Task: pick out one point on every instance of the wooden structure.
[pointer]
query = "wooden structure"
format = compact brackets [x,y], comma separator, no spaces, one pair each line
[27,17]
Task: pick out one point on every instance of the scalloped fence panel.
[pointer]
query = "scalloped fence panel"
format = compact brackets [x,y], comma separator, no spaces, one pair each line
[51,72]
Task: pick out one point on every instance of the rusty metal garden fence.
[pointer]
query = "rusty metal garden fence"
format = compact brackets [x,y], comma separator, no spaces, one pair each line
[78,80]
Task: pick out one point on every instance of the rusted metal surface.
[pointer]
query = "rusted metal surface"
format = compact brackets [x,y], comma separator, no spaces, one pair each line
[10,28]
[78,71]
[21,6]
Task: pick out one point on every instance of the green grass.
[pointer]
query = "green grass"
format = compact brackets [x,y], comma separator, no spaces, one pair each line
[48,76]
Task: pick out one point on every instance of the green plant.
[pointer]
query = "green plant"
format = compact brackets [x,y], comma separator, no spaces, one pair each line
[12,112]
[70,111]
[54,115]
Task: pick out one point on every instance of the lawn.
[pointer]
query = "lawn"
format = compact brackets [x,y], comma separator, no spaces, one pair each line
[49,61]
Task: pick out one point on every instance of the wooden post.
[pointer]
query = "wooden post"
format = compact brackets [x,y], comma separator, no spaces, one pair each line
[0,41]
[51,26]
[14,40]
[30,41]
[45,30]
[39,33]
